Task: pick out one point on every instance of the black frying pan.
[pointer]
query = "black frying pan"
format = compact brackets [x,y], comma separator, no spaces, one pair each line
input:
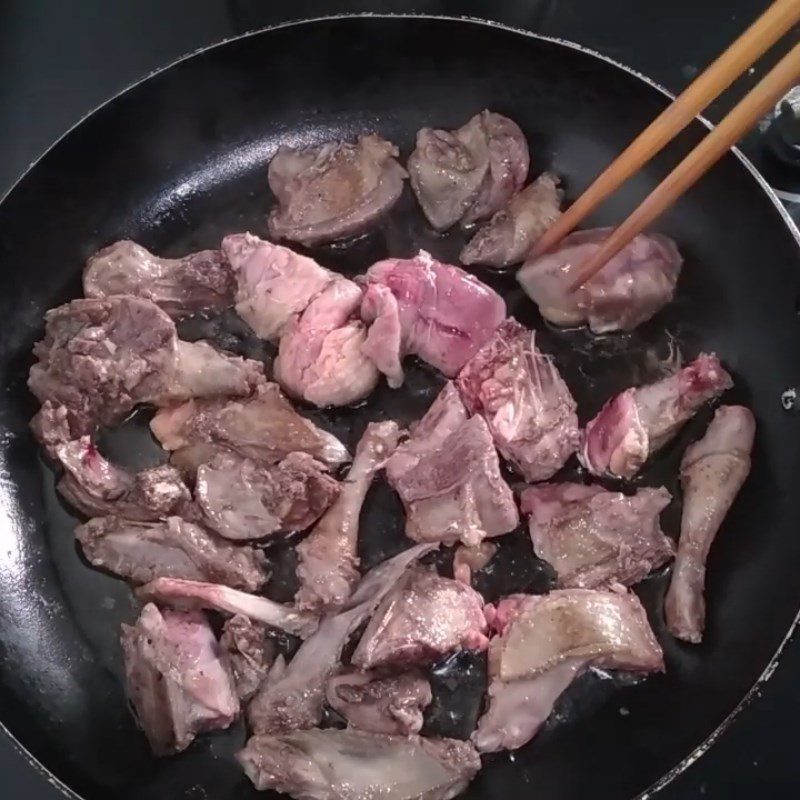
[179,160]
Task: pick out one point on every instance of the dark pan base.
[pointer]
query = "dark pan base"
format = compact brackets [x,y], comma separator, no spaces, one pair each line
[180,160]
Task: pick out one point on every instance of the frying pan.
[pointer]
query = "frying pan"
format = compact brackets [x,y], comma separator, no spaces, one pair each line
[179,160]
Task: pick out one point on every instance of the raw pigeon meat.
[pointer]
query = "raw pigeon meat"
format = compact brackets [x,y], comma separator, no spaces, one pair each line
[510,234]
[181,286]
[244,499]
[328,558]
[250,654]
[178,680]
[637,423]
[547,640]
[333,190]
[596,538]
[469,560]
[381,703]
[524,400]
[354,765]
[422,619]
[443,313]
[293,695]
[174,548]
[263,427]
[635,284]
[273,283]
[470,173]
[320,358]
[448,477]
[712,472]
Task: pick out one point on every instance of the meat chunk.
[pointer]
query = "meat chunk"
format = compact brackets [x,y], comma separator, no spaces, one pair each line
[444,314]
[181,286]
[328,557]
[333,190]
[244,499]
[320,358]
[510,234]
[593,537]
[470,173]
[524,400]
[635,284]
[381,703]
[712,472]
[384,342]
[178,680]
[353,765]
[250,654]
[469,560]
[174,548]
[637,423]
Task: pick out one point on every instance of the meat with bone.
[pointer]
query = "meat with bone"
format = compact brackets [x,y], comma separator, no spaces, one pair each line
[177,677]
[596,538]
[320,358]
[547,640]
[448,477]
[328,558]
[510,234]
[250,654]
[381,703]
[470,173]
[293,695]
[333,190]
[244,499]
[181,286]
[444,314]
[635,284]
[637,423]
[712,473]
[354,765]
[174,548]
[422,619]
[273,283]
[524,400]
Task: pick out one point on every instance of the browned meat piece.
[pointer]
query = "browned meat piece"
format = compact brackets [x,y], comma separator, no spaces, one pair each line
[524,400]
[250,654]
[712,472]
[333,190]
[596,538]
[178,681]
[470,173]
[245,499]
[391,704]
[328,557]
[468,560]
[181,286]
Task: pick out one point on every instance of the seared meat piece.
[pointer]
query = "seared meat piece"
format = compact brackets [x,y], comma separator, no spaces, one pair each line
[524,400]
[333,190]
[174,548]
[353,765]
[273,283]
[181,286]
[391,704]
[245,499]
[547,640]
[263,427]
[637,423]
[444,314]
[596,538]
[510,234]
[178,680]
[293,695]
[422,619]
[635,284]
[470,173]
[712,472]
[320,358]
[468,560]
[250,654]
[328,557]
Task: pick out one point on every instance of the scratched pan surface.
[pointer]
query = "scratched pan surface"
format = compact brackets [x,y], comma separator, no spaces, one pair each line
[180,160]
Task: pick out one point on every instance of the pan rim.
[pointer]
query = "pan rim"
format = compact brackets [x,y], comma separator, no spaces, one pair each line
[774,662]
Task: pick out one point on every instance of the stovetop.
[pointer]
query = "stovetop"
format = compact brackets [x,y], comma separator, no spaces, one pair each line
[60,60]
